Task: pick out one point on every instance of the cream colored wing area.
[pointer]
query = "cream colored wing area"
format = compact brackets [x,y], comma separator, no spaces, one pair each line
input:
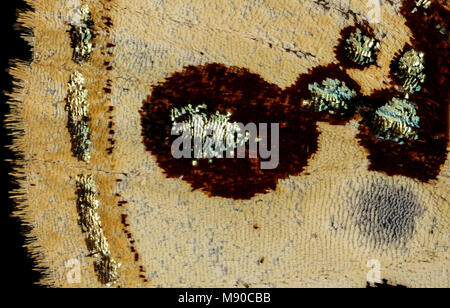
[318,229]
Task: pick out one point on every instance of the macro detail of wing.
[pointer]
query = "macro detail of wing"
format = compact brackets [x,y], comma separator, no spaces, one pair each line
[361,100]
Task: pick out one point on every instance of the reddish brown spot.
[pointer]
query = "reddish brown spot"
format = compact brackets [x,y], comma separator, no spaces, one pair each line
[250,99]
[108,21]
[421,159]
[299,91]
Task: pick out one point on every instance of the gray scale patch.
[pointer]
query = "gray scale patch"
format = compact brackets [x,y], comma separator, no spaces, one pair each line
[386,215]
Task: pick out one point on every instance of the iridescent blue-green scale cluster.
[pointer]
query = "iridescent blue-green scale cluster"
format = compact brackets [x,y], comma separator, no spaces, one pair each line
[82,35]
[361,48]
[215,132]
[331,95]
[397,121]
[410,70]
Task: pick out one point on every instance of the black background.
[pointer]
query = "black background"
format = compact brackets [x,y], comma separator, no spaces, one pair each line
[17,268]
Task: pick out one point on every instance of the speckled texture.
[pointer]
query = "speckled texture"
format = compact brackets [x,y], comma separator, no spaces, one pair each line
[308,232]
